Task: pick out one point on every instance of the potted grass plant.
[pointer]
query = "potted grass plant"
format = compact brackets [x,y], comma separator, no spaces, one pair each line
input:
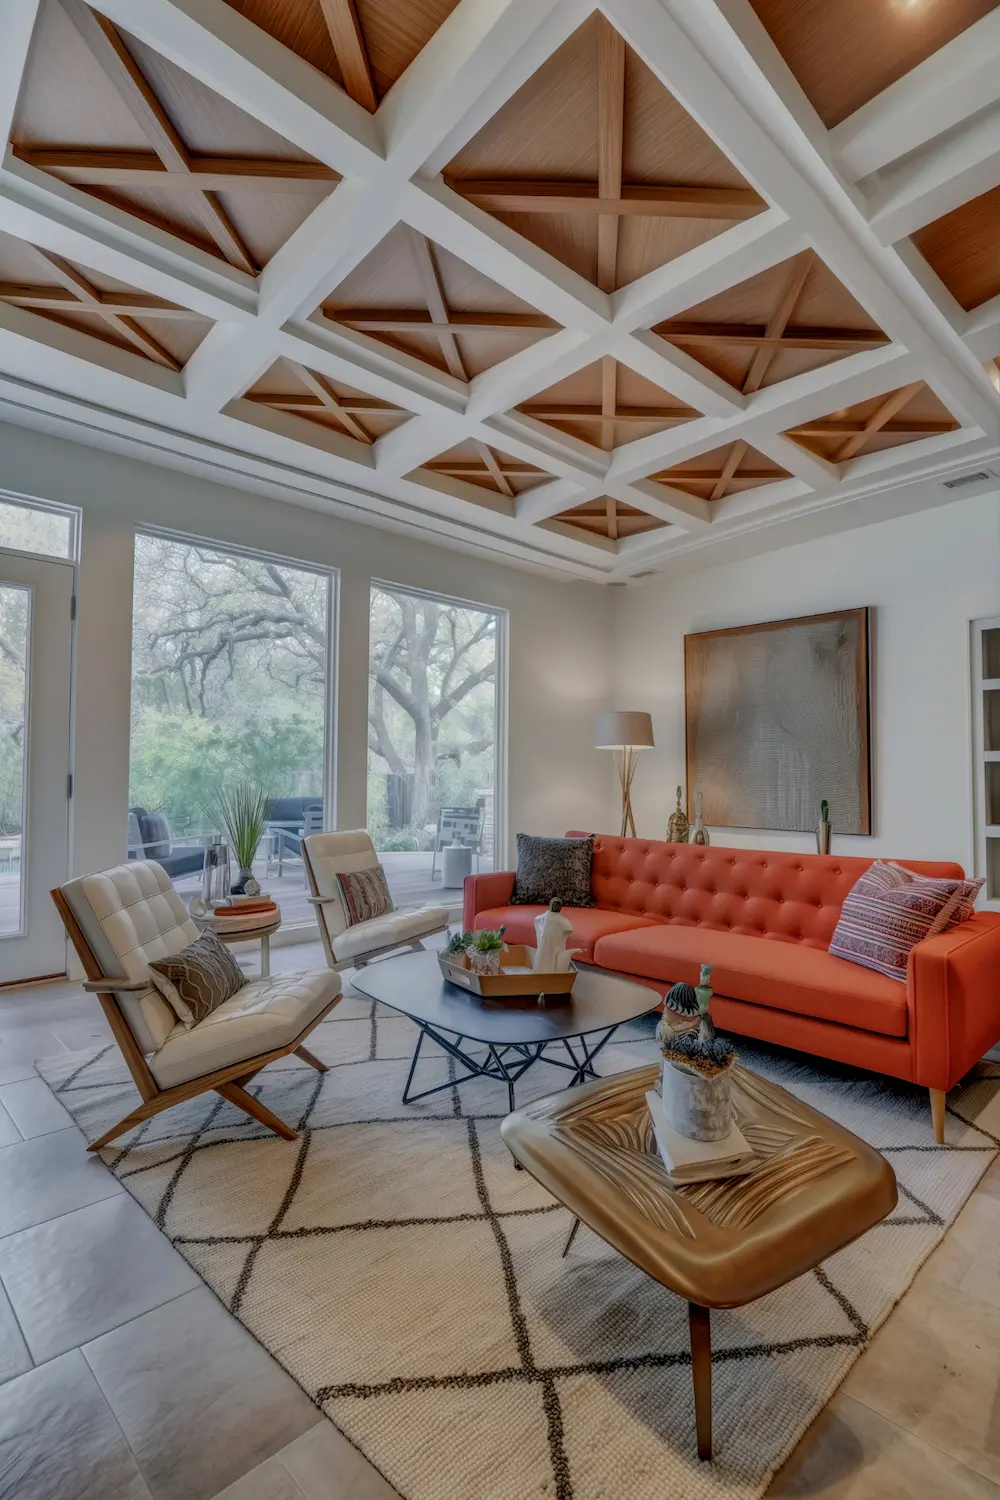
[484,950]
[242,811]
[695,1080]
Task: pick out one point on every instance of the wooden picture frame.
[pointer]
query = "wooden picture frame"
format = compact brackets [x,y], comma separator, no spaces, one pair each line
[802,728]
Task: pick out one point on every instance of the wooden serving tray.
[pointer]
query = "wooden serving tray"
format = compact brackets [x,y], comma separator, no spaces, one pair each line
[506,985]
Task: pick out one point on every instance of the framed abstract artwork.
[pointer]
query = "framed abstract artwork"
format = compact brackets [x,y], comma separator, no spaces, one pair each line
[778,719]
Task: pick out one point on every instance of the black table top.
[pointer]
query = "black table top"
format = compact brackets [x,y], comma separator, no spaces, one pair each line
[412,984]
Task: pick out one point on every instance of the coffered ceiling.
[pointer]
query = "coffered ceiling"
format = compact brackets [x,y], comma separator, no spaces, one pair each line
[582,288]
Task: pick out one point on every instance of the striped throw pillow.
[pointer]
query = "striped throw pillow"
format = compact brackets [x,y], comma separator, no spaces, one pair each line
[890,910]
[199,979]
[366,895]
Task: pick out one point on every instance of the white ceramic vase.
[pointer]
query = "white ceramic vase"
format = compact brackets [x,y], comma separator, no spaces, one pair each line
[698,1107]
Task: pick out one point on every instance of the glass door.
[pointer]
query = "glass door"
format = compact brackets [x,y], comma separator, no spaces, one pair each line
[35,663]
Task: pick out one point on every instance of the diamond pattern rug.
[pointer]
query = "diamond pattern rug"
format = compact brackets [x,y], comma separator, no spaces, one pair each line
[411,1280]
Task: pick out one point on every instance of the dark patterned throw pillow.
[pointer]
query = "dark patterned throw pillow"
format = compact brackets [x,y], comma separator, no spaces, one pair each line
[197,980]
[548,868]
[366,895]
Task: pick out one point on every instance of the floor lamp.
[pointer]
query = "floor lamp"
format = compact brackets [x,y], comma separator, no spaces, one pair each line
[626,734]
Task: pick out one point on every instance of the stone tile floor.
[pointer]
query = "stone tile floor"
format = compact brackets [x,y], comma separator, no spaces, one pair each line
[122,1377]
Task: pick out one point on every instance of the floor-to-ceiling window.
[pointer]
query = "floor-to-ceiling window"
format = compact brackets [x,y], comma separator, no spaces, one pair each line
[435,736]
[230,682]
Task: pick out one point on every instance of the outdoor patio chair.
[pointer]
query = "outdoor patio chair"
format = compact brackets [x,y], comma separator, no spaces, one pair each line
[459,825]
[122,919]
[327,855]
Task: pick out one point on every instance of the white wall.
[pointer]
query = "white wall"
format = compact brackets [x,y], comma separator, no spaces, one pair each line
[927,576]
[559,640]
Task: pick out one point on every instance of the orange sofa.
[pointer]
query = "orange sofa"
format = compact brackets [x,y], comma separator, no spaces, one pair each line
[764,920]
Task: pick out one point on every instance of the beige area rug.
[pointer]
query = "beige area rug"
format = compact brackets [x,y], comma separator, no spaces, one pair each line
[411,1280]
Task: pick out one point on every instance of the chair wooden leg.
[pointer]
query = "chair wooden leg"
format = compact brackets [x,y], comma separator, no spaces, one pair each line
[938,1100]
[700,1331]
[311,1059]
[252,1106]
[150,1107]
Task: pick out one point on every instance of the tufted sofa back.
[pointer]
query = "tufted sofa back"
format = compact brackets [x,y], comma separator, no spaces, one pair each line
[757,892]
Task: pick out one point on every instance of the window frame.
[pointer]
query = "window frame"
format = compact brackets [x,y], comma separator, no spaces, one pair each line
[502,746]
[73,513]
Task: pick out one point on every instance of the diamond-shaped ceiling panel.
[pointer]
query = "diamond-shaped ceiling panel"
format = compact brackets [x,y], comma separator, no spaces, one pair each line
[901,416]
[291,387]
[609,519]
[723,471]
[791,318]
[594,161]
[136,130]
[607,404]
[486,467]
[414,296]
[79,297]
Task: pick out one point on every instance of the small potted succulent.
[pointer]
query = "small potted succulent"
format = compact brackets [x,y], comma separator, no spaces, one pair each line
[695,1082]
[484,950]
[457,944]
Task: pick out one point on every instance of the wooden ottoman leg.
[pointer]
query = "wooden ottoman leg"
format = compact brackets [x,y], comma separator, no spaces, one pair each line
[700,1329]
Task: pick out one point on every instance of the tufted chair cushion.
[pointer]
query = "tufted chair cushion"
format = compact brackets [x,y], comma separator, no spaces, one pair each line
[129,915]
[752,892]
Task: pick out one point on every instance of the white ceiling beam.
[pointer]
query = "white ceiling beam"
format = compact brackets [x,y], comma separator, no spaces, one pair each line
[17,25]
[953,84]
[61,218]
[666,503]
[817,197]
[547,500]
[934,181]
[243,63]
[504,255]
[530,370]
[679,373]
[355,358]
[982,330]
[464,59]
[821,476]
[702,272]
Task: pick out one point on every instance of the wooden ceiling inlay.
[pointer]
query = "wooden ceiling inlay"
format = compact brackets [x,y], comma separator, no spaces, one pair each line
[607,404]
[594,161]
[414,296]
[901,416]
[609,518]
[364,45]
[844,52]
[136,130]
[963,248]
[81,298]
[791,318]
[291,387]
[723,471]
[488,468]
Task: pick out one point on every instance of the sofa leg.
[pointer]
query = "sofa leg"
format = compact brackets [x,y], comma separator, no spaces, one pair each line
[938,1100]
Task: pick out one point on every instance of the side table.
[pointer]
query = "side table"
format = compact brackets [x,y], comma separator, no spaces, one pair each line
[260,933]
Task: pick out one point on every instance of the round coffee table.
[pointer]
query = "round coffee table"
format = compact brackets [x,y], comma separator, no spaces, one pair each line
[570,1033]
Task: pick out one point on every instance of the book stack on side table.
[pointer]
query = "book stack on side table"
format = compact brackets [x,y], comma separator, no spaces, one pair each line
[687,1160]
[243,914]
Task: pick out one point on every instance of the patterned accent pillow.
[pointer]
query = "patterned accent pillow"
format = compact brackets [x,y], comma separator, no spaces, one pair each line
[890,910]
[548,868]
[366,895]
[197,980]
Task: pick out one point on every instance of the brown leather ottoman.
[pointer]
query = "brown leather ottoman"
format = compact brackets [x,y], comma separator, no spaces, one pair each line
[718,1244]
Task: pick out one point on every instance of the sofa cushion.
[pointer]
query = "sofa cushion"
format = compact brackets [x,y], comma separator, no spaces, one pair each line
[765,971]
[399,926]
[891,910]
[589,924]
[553,869]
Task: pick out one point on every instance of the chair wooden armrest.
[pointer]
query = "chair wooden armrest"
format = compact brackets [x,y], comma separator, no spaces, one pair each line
[105,986]
[320,900]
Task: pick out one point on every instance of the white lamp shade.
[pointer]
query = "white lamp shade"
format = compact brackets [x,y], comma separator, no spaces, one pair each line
[634,730]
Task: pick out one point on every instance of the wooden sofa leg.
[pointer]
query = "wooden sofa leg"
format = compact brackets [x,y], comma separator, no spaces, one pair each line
[938,1100]
[137,1116]
[252,1106]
